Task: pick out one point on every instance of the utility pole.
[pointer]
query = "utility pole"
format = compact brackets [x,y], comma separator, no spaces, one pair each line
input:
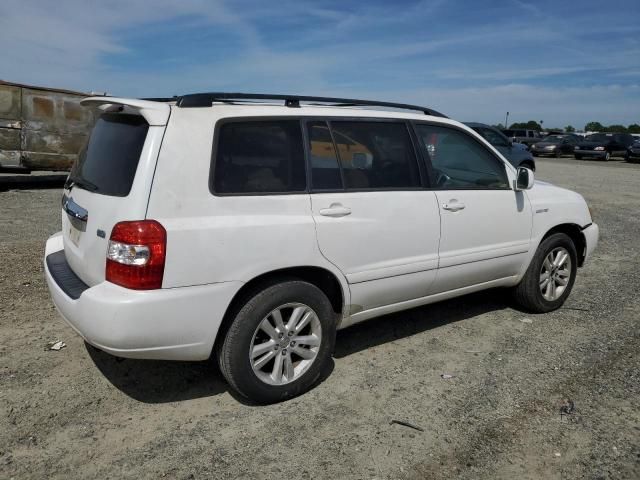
[506,121]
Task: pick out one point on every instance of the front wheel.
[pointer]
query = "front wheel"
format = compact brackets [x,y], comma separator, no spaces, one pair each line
[550,276]
[607,157]
[279,342]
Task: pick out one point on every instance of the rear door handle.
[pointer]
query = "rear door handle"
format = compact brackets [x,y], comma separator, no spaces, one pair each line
[453,207]
[335,210]
[78,216]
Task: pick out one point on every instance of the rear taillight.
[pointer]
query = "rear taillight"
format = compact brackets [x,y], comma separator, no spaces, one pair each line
[136,253]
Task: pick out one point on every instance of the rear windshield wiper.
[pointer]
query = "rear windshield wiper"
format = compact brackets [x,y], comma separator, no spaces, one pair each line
[82,183]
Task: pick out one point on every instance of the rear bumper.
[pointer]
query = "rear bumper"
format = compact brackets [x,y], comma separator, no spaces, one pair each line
[545,153]
[591,235]
[165,324]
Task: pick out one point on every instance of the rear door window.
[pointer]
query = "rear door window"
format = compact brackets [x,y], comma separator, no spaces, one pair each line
[325,169]
[107,164]
[254,157]
[375,155]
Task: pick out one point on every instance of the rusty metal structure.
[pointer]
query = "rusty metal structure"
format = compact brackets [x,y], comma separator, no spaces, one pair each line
[41,128]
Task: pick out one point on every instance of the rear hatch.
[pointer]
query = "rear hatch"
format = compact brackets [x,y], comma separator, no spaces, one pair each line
[109,183]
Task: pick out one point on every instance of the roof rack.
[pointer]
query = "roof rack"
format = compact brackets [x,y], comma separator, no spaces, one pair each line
[292,101]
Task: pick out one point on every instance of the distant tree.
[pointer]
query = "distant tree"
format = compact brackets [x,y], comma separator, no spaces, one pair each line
[569,129]
[498,126]
[633,128]
[594,127]
[617,129]
[530,125]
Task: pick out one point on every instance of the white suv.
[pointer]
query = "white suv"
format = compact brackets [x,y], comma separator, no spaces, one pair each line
[239,226]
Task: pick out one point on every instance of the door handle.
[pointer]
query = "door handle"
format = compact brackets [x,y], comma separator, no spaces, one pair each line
[78,216]
[453,207]
[335,210]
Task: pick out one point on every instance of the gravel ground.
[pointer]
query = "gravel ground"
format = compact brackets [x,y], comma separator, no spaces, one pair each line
[80,413]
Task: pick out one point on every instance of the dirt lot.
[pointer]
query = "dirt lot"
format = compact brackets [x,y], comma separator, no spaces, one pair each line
[79,413]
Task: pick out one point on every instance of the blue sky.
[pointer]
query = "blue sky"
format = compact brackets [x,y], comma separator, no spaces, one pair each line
[561,62]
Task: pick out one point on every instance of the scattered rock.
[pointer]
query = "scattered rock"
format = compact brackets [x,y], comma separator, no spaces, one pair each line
[56,346]
[567,407]
[446,376]
[526,320]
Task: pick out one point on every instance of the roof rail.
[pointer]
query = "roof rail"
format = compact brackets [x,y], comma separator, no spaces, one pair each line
[292,101]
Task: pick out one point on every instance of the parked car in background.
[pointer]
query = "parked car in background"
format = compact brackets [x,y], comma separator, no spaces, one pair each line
[41,128]
[195,227]
[555,145]
[603,145]
[526,137]
[516,153]
[633,152]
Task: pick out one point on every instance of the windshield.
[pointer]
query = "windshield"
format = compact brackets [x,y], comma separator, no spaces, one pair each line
[598,137]
[108,163]
[553,139]
[493,136]
[515,133]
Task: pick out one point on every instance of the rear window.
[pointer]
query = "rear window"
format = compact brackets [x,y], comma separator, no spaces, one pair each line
[260,157]
[108,163]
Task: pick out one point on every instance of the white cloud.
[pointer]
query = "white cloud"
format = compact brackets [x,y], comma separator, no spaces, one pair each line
[556,106]
[339,51]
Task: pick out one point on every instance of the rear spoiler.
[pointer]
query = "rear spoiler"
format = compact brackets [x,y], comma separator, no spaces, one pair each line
[155,113]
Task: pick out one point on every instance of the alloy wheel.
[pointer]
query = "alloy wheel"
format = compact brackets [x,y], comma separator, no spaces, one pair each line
[555,274]
[285,344]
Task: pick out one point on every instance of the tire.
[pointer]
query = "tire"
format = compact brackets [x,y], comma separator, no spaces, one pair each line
[528,165]
[257,382]
[529,292]
[578,157]
[556,154]
[607,156]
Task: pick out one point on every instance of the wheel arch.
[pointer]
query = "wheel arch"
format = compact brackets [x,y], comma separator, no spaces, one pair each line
[321,277]
[574,232]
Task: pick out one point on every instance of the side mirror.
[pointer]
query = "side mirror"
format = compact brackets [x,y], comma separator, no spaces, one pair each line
[524,179]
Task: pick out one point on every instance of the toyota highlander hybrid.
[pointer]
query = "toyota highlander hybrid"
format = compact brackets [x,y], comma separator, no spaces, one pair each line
[252,227]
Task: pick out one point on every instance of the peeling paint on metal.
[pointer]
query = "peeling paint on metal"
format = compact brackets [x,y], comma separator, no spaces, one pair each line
[42,128]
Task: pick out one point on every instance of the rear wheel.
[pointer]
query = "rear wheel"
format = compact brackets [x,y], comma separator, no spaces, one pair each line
[550,276]
[279,342]
[607,156]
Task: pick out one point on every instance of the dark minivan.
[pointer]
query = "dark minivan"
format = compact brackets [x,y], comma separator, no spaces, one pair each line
[603,145]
